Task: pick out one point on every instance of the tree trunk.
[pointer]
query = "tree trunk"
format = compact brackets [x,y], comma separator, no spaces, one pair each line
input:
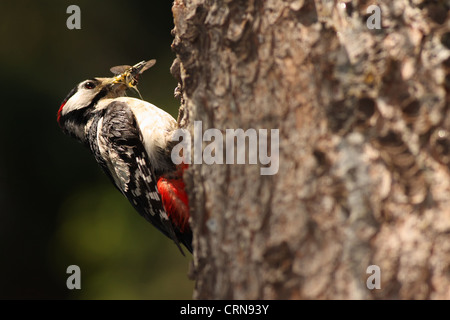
[364,147]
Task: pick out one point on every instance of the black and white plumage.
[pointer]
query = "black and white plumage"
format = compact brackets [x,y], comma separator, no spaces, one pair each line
[131,140]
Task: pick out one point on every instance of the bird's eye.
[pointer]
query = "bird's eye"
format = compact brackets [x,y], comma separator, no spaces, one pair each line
[89,85]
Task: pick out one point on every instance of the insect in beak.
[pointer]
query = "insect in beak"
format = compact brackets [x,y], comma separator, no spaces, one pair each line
[129,75]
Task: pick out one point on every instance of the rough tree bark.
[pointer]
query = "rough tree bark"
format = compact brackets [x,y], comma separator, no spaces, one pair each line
[364,151]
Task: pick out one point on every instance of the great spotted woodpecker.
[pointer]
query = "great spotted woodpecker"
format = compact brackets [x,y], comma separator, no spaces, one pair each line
[131,140]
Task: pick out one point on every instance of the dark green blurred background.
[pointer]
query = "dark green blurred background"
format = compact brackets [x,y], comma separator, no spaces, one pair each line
[56,206]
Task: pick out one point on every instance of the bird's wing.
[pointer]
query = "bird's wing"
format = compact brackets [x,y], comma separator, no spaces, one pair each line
[127,163]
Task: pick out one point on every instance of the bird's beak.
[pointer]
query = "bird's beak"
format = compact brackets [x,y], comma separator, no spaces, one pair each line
[116,86]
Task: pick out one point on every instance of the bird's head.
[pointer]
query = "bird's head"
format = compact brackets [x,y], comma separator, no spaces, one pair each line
[82,102]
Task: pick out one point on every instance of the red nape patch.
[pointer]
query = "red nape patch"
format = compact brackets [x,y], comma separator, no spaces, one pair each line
[60,110]
[175,200]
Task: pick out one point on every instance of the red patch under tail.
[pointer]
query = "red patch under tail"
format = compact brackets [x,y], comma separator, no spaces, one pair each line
[174,198]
